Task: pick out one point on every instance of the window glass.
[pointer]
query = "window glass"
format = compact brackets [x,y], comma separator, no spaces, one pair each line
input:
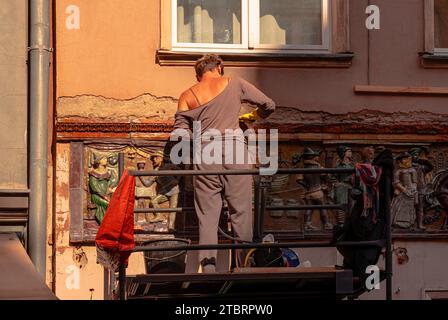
[441,23]
[291,22]
[209,21]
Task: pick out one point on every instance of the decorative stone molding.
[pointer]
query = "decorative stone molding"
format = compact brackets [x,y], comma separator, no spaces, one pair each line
[113,127]
[91,108]
[287,120]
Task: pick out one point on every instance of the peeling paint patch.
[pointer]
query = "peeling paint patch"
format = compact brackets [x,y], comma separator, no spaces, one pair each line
[146,106]
[79,257]
[61,249]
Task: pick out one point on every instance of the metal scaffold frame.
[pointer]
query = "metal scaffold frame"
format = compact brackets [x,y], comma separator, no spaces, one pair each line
[261,186]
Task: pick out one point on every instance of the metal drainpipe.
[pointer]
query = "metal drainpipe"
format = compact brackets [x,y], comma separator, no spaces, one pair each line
[39,69]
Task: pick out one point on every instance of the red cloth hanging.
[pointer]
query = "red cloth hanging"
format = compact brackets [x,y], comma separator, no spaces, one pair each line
[369,178]
[115,237]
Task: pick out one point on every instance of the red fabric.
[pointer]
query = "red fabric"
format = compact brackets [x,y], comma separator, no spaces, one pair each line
[116,233]
[370,176]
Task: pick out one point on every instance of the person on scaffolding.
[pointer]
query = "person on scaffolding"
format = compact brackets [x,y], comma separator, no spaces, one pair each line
[215,103]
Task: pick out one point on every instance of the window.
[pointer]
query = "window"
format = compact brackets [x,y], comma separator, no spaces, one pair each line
[435,294]
[209,24]
[435,54]
[255,25]
[441,26]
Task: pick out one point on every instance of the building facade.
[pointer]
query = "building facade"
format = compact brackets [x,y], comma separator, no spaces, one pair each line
[341,72]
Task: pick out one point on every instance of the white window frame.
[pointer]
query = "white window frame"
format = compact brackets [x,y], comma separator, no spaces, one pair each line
[250,34]
[443,51]
[430,34]
[426,292]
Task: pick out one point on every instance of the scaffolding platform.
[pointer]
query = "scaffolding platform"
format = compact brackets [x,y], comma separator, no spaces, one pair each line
[260,283]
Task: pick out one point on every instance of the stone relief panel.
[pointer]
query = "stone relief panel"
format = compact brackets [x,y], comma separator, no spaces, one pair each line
[100,176]
[139,126]
[425,213]
[419,204]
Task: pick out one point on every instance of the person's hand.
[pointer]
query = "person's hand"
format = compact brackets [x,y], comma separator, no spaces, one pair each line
[249,117]
[409,193]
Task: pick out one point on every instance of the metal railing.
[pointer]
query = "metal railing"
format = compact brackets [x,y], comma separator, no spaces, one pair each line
[261,188]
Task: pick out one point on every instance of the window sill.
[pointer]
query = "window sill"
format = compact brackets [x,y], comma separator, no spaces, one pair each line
[434,61]
[266,60]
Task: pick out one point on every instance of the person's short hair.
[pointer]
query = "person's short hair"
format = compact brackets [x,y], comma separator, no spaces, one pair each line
[206,63]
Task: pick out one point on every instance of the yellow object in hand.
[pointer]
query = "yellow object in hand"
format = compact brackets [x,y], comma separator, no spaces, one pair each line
[250,117]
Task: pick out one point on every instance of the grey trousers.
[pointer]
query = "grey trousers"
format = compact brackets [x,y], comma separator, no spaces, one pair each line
[208,192]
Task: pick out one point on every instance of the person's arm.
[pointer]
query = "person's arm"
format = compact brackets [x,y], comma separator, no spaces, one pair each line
[414,177]
[300,181]
[182,104]
[96,189]
[147,181]
[250,93]
[399,187]
[427,166]
[181,121]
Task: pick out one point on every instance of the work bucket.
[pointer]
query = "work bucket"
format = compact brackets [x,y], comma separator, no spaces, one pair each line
[166,261]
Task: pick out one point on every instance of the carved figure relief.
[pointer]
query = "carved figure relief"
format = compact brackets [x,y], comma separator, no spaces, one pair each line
[406,194]
[167,188]
[315,189]
[426,212]
[342,183]
[419,204]
[151,192]
[102,183]
[424,169]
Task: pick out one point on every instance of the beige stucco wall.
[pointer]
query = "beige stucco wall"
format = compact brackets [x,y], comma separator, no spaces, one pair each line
[425,269]
[91,274]
[13,94]
[113,55]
